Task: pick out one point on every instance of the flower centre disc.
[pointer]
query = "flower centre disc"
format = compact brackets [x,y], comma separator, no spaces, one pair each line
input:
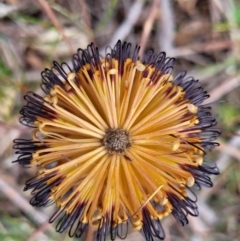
[116,141]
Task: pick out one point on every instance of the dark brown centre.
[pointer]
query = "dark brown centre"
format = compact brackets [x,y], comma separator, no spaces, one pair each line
[116,141]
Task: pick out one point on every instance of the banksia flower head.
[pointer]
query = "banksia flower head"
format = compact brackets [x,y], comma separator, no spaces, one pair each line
[117,141]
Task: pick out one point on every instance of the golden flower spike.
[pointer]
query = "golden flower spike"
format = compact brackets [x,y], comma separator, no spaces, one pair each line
[117,141]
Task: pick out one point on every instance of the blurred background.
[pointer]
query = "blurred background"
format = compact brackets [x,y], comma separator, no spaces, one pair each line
[203,35]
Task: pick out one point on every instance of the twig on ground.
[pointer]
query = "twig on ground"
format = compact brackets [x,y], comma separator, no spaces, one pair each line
[230,150]
[46,7]
[5,142]
[185,236]
[201,48]
[219,6]
[5,9]
[124,29]
[85,13]
[86,19]
[167,232]
[229,9]
[226,87]
[199,228]
[38,231]
[13,196]
[205,193]
[167,27]
[147,27]
[90,233]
